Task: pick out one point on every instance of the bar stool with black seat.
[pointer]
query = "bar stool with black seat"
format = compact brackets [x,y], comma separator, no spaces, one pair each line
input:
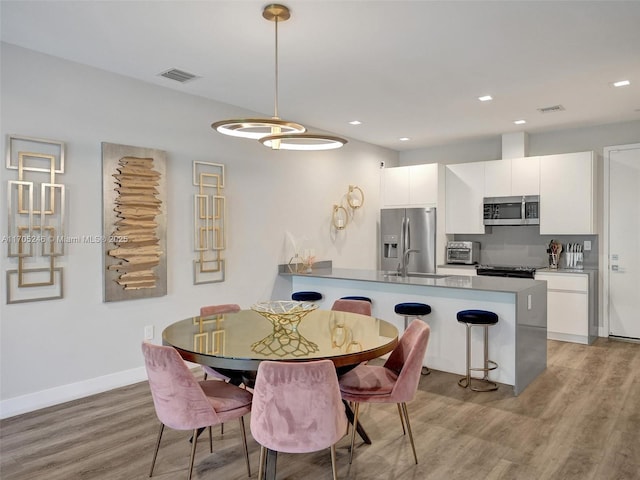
[411,310]
[306,296]
[478,318]
[356,297]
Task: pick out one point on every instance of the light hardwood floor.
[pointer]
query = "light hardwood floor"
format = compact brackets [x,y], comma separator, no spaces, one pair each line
[579,420]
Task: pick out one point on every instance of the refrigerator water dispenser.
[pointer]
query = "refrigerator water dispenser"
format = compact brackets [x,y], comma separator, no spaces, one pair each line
[390,246]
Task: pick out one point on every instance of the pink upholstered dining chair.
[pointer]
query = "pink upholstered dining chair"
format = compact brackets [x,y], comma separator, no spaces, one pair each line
[394,382]
[183,403]
[208,311]
[354,306]
[297,409]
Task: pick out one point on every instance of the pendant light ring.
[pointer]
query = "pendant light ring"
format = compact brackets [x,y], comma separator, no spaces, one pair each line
[256,127]
[303,141]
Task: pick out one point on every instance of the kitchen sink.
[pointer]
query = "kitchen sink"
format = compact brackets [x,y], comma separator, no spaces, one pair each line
[414,275]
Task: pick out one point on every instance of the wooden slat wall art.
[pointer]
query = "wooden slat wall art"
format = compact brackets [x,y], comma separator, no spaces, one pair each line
[134,222]
[135,235]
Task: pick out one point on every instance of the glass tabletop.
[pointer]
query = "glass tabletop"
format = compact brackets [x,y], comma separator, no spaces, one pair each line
[240,341]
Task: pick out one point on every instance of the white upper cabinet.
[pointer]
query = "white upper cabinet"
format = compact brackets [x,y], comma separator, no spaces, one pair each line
[525,176]
[395,186]
[464,191]
[415,185]
[497,178]
[567,194]
[510,177]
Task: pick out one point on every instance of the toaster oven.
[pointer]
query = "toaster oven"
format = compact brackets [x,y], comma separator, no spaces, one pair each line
[463,253]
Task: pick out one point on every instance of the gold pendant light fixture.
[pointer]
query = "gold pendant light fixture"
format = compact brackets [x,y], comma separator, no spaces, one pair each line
[274,132]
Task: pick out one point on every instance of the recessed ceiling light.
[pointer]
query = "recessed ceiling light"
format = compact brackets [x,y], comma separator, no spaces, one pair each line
[355,122]
[621,83]
[520,122]
[404,139]
[485,98]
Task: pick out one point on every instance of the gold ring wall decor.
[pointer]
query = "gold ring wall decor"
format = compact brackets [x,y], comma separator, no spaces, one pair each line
[208,222]
[355,197]
[36,206]
[340,217]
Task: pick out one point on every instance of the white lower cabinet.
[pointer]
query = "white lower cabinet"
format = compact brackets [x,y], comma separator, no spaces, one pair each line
[567,306]
[469,271]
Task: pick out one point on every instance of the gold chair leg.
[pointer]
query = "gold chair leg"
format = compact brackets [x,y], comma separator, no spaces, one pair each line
[356,411]
[404,432]
[333,462]
[193,452]
[155,453]
[263,459]
[222,429]
[406,417]
[244,442]
[210,440]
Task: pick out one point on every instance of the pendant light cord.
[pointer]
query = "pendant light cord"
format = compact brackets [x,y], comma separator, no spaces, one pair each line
[275,108]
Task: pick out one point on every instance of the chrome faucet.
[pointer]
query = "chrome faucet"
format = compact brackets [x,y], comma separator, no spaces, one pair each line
[403,267]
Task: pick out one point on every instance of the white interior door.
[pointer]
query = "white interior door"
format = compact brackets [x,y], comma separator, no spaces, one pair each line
[624,242]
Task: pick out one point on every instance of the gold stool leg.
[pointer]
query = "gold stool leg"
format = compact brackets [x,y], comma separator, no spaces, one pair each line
[155,453]
[466,381]
[406,418]
[263,459]
[353,432]
[193,452]
[404,431]
[333,462]
[244,443]
[488,365]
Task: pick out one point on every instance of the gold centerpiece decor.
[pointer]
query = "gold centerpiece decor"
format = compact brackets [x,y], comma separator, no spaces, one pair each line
[285,340]
[284,313]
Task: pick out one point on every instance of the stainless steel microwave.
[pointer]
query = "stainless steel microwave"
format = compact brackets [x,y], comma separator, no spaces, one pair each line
[520,210]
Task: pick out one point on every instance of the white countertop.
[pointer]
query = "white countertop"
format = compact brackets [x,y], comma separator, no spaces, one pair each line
[491,284]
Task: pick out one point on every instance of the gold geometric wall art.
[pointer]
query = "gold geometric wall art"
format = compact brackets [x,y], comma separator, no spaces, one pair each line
[134,222]
[36,202]
[208,222]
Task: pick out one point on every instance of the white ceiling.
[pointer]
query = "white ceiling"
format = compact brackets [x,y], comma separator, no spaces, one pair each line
[404,68]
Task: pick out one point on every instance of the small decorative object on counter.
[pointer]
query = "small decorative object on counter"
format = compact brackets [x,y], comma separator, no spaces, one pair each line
[574,256]
[308,259]
[554,254]
[294,264]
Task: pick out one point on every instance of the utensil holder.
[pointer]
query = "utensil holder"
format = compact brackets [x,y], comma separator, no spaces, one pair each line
[554,259]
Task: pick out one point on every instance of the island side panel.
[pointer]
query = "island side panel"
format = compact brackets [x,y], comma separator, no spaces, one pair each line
[447,344]
[531,335]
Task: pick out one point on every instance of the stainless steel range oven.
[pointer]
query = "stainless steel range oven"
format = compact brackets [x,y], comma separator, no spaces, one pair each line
[506,271]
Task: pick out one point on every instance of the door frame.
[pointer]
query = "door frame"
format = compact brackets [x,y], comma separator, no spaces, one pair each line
[605,255]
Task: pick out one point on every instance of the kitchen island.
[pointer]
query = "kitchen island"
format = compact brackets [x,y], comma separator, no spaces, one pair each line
[518,343]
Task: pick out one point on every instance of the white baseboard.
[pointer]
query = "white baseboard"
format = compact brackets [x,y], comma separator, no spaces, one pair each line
[565,337]
[65,393]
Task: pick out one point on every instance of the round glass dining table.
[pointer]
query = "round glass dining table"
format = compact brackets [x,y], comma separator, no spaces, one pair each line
[240,341]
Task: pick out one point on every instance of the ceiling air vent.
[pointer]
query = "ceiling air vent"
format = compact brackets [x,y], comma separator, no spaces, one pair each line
[178,75]
[554,108]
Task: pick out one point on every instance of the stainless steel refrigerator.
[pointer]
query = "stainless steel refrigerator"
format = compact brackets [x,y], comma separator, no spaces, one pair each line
[404,229]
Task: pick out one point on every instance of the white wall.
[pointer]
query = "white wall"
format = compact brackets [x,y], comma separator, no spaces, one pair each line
[53,351]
